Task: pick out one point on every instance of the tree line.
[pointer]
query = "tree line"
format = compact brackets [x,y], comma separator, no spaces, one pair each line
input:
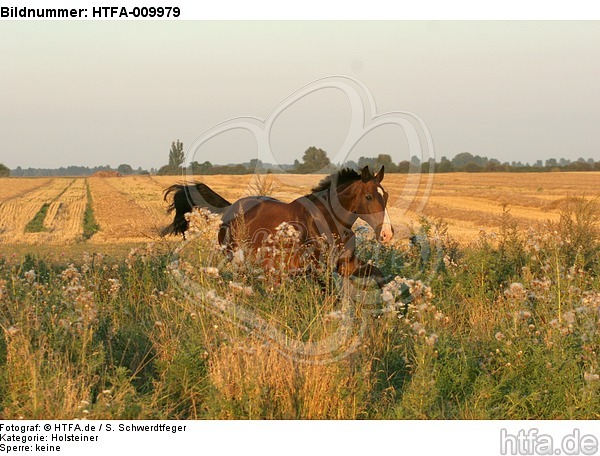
[315,160]
[123,169]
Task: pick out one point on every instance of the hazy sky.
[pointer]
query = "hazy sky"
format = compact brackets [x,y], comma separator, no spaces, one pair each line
[96,93]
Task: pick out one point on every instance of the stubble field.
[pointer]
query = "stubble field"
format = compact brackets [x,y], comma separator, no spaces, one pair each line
[131,209]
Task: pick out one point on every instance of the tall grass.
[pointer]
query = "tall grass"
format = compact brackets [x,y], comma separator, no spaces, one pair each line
[505,328]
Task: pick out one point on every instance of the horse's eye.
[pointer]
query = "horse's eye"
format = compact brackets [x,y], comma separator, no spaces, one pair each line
[369,197]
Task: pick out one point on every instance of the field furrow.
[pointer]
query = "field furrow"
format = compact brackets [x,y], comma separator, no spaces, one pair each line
[18,211]
[67,225]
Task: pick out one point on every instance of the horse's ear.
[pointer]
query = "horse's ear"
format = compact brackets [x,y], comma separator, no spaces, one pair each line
[380,174]
[366,175]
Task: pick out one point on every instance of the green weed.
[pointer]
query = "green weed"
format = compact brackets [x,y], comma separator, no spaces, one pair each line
[36,224]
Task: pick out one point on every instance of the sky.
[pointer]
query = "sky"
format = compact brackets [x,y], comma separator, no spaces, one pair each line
[106,93]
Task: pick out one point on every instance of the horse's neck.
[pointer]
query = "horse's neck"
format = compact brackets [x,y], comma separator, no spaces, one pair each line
[336,215]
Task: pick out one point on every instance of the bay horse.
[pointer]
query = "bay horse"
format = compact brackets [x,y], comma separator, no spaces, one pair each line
[327,213]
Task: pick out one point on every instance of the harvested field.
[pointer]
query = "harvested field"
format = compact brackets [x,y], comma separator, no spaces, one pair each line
[146,192]
[17,211]
[121,217]
[64,218]
[12,187]
[131,209]
[471,202]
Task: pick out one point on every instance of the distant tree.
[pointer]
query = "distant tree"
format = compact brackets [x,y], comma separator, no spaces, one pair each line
[415,165]
[256,164]
[385,160]
[404,166]
[472,167]
[445,166]
[176,155]
[366,161]
[415,161]
[551,163]
[125,169]
[579,166]
[460,160]
[314,160]
[201,168]
[494,165]
[176,159]
[564,162]
[229,169]
[428,166]
[480,161]
[165,170]
[4,171]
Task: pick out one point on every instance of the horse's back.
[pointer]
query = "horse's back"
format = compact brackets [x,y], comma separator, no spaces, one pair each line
[256,217]
[245,206]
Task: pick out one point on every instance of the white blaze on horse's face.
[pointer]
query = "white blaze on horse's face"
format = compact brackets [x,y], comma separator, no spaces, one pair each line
[387,232]
[379,219]
[371,203]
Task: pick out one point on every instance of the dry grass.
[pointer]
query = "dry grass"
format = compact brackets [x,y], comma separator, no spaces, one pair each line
[260,375]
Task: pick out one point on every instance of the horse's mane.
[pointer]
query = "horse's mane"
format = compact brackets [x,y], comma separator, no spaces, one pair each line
[343,177]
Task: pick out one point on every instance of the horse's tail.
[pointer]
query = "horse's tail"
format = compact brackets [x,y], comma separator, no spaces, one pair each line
[185,198]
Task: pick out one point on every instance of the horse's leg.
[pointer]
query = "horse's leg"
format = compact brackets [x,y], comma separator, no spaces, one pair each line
[357,268]
[224,239]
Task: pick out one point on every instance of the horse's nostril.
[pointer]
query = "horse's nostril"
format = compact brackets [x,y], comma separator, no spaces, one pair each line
[386,235]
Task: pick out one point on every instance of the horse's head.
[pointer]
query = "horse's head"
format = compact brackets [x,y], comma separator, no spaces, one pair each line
[368,200]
